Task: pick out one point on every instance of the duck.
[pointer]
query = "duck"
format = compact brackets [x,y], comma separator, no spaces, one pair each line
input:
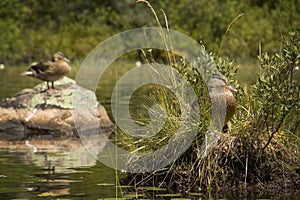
[220,92]
[50,70]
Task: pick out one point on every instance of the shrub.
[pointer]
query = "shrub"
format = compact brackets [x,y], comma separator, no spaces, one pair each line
[261,150]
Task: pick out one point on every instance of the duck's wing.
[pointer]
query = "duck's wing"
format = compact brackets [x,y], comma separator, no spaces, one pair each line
[43,67]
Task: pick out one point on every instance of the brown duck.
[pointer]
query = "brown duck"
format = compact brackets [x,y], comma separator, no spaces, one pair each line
[50,70]
[220,92]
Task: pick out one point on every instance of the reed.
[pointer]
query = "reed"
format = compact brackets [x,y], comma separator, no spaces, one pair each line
[262,148]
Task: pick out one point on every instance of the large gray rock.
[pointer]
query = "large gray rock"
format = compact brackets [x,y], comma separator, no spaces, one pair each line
[50,113]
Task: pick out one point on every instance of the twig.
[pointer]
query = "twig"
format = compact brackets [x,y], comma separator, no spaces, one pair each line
[277,128]
[246,171]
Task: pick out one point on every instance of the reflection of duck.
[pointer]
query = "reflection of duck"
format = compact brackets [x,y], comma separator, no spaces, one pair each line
[220,92]
[50,71]
[32,147]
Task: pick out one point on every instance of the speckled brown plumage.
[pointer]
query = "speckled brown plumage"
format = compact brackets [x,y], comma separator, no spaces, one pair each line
[222,101]
[50,70]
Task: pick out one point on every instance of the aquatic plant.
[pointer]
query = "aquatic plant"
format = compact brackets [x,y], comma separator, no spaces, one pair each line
[262,148]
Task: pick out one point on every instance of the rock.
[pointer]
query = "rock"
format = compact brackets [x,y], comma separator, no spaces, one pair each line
[50,113]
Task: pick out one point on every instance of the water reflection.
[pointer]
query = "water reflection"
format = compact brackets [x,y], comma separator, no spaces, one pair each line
[52,168]
[35,169]
[58,155]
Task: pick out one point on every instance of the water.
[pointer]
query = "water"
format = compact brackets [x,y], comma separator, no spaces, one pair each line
[39,169]
[55,169]
[36,169]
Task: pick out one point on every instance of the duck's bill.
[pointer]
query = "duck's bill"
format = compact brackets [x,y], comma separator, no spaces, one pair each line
[229,87]
[67,60]
[26,73]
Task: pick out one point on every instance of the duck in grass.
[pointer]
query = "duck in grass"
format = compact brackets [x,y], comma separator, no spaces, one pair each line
[221,92]
[50,70]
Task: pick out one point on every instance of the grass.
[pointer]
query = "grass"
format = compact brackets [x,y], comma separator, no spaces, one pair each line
[260,151]
[262,148]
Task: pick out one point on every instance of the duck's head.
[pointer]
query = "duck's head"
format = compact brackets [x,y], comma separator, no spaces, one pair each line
[59,56]
[219,81]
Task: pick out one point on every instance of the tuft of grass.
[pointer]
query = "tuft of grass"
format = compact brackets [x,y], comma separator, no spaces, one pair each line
[262,148]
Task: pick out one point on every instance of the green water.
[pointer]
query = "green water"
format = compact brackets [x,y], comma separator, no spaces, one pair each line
[65,170]
[29,175]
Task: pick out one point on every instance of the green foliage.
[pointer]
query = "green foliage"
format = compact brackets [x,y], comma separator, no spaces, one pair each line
[33,29]
[263,144]
[277,90]
[266,126]
[264,129]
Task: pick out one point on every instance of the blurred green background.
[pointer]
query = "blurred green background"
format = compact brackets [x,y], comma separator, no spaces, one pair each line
[32,30]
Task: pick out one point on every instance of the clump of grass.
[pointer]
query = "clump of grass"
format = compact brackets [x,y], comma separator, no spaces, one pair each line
[261,150]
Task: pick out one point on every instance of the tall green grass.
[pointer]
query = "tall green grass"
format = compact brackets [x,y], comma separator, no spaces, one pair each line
[261,149]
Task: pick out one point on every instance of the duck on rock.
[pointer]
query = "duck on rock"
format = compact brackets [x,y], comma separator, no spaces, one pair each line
[50,70]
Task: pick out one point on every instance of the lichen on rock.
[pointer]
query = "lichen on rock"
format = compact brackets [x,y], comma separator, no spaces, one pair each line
[49,113]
